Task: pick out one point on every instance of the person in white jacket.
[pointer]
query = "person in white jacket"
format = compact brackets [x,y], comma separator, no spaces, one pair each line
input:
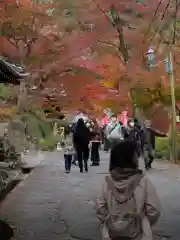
[114,132]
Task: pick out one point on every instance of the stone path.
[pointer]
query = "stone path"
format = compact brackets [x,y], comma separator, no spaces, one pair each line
[51,205]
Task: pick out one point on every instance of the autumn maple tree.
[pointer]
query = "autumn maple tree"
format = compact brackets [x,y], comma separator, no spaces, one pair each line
[54,40]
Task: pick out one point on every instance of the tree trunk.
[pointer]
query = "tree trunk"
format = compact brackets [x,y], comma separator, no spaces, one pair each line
[139,114]
[23,98]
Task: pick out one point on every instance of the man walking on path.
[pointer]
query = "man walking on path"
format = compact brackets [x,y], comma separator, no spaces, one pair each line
[150,135]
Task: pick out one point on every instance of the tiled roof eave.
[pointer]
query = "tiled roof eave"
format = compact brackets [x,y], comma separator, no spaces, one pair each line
[10,70]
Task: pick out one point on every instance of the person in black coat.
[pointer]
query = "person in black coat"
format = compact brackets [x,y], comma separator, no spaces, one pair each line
[81,138]
[149,137]
[95,147]
[124,130]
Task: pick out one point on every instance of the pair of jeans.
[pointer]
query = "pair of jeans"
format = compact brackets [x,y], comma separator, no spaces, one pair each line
[95,158]
[148,155]
[74,159]
[82,155]
[68,161]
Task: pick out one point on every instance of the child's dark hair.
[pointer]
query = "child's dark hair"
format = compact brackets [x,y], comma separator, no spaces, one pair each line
[123,155]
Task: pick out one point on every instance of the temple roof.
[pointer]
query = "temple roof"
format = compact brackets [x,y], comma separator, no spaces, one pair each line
[11,73]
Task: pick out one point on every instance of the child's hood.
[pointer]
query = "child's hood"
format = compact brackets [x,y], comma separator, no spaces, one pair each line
[125,182]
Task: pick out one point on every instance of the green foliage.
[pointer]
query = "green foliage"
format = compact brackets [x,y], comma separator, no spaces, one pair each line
[152,96]
[162,147]
[48,144]
[68,14]
[5,91]
[140,1]
[42,129]
[139,15]
[177,93]
[36,126]
[112,14]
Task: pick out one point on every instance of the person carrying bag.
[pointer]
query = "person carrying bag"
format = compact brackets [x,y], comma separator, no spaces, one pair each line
[128,205]
[114,132]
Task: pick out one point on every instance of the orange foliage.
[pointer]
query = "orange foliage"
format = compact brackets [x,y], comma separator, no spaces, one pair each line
[7,112]
[57,50]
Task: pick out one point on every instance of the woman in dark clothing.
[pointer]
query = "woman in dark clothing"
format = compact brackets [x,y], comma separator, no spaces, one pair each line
[95,146]
[81,142]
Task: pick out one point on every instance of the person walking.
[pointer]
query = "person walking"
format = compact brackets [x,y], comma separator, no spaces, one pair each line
[128,205]
[105,140]
[81,141]
[133,132]
[73,129]
[124,130]
[140,130]
[95,146]
[114,132]
[150,135]
[69,151]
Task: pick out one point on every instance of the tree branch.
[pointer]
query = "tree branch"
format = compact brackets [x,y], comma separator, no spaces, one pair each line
[175,20]
[108,43]
[29,45]
[102,11]
[14,43]
[117,25]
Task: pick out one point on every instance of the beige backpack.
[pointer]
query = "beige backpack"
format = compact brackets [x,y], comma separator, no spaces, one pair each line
[124,222]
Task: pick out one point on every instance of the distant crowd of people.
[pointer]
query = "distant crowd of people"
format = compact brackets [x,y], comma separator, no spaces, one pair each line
[142,134]
[84,139]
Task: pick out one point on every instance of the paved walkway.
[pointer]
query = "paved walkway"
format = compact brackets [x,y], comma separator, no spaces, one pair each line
[51,205]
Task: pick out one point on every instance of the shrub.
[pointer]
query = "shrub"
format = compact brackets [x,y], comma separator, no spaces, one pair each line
[36,127]
[162,147]
[48,143]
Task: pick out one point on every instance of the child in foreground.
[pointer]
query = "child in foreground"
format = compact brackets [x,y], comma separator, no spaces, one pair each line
[128,206]
[69,151]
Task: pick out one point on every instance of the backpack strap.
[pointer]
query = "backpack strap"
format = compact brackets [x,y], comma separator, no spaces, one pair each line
[112,187]
[112,129]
